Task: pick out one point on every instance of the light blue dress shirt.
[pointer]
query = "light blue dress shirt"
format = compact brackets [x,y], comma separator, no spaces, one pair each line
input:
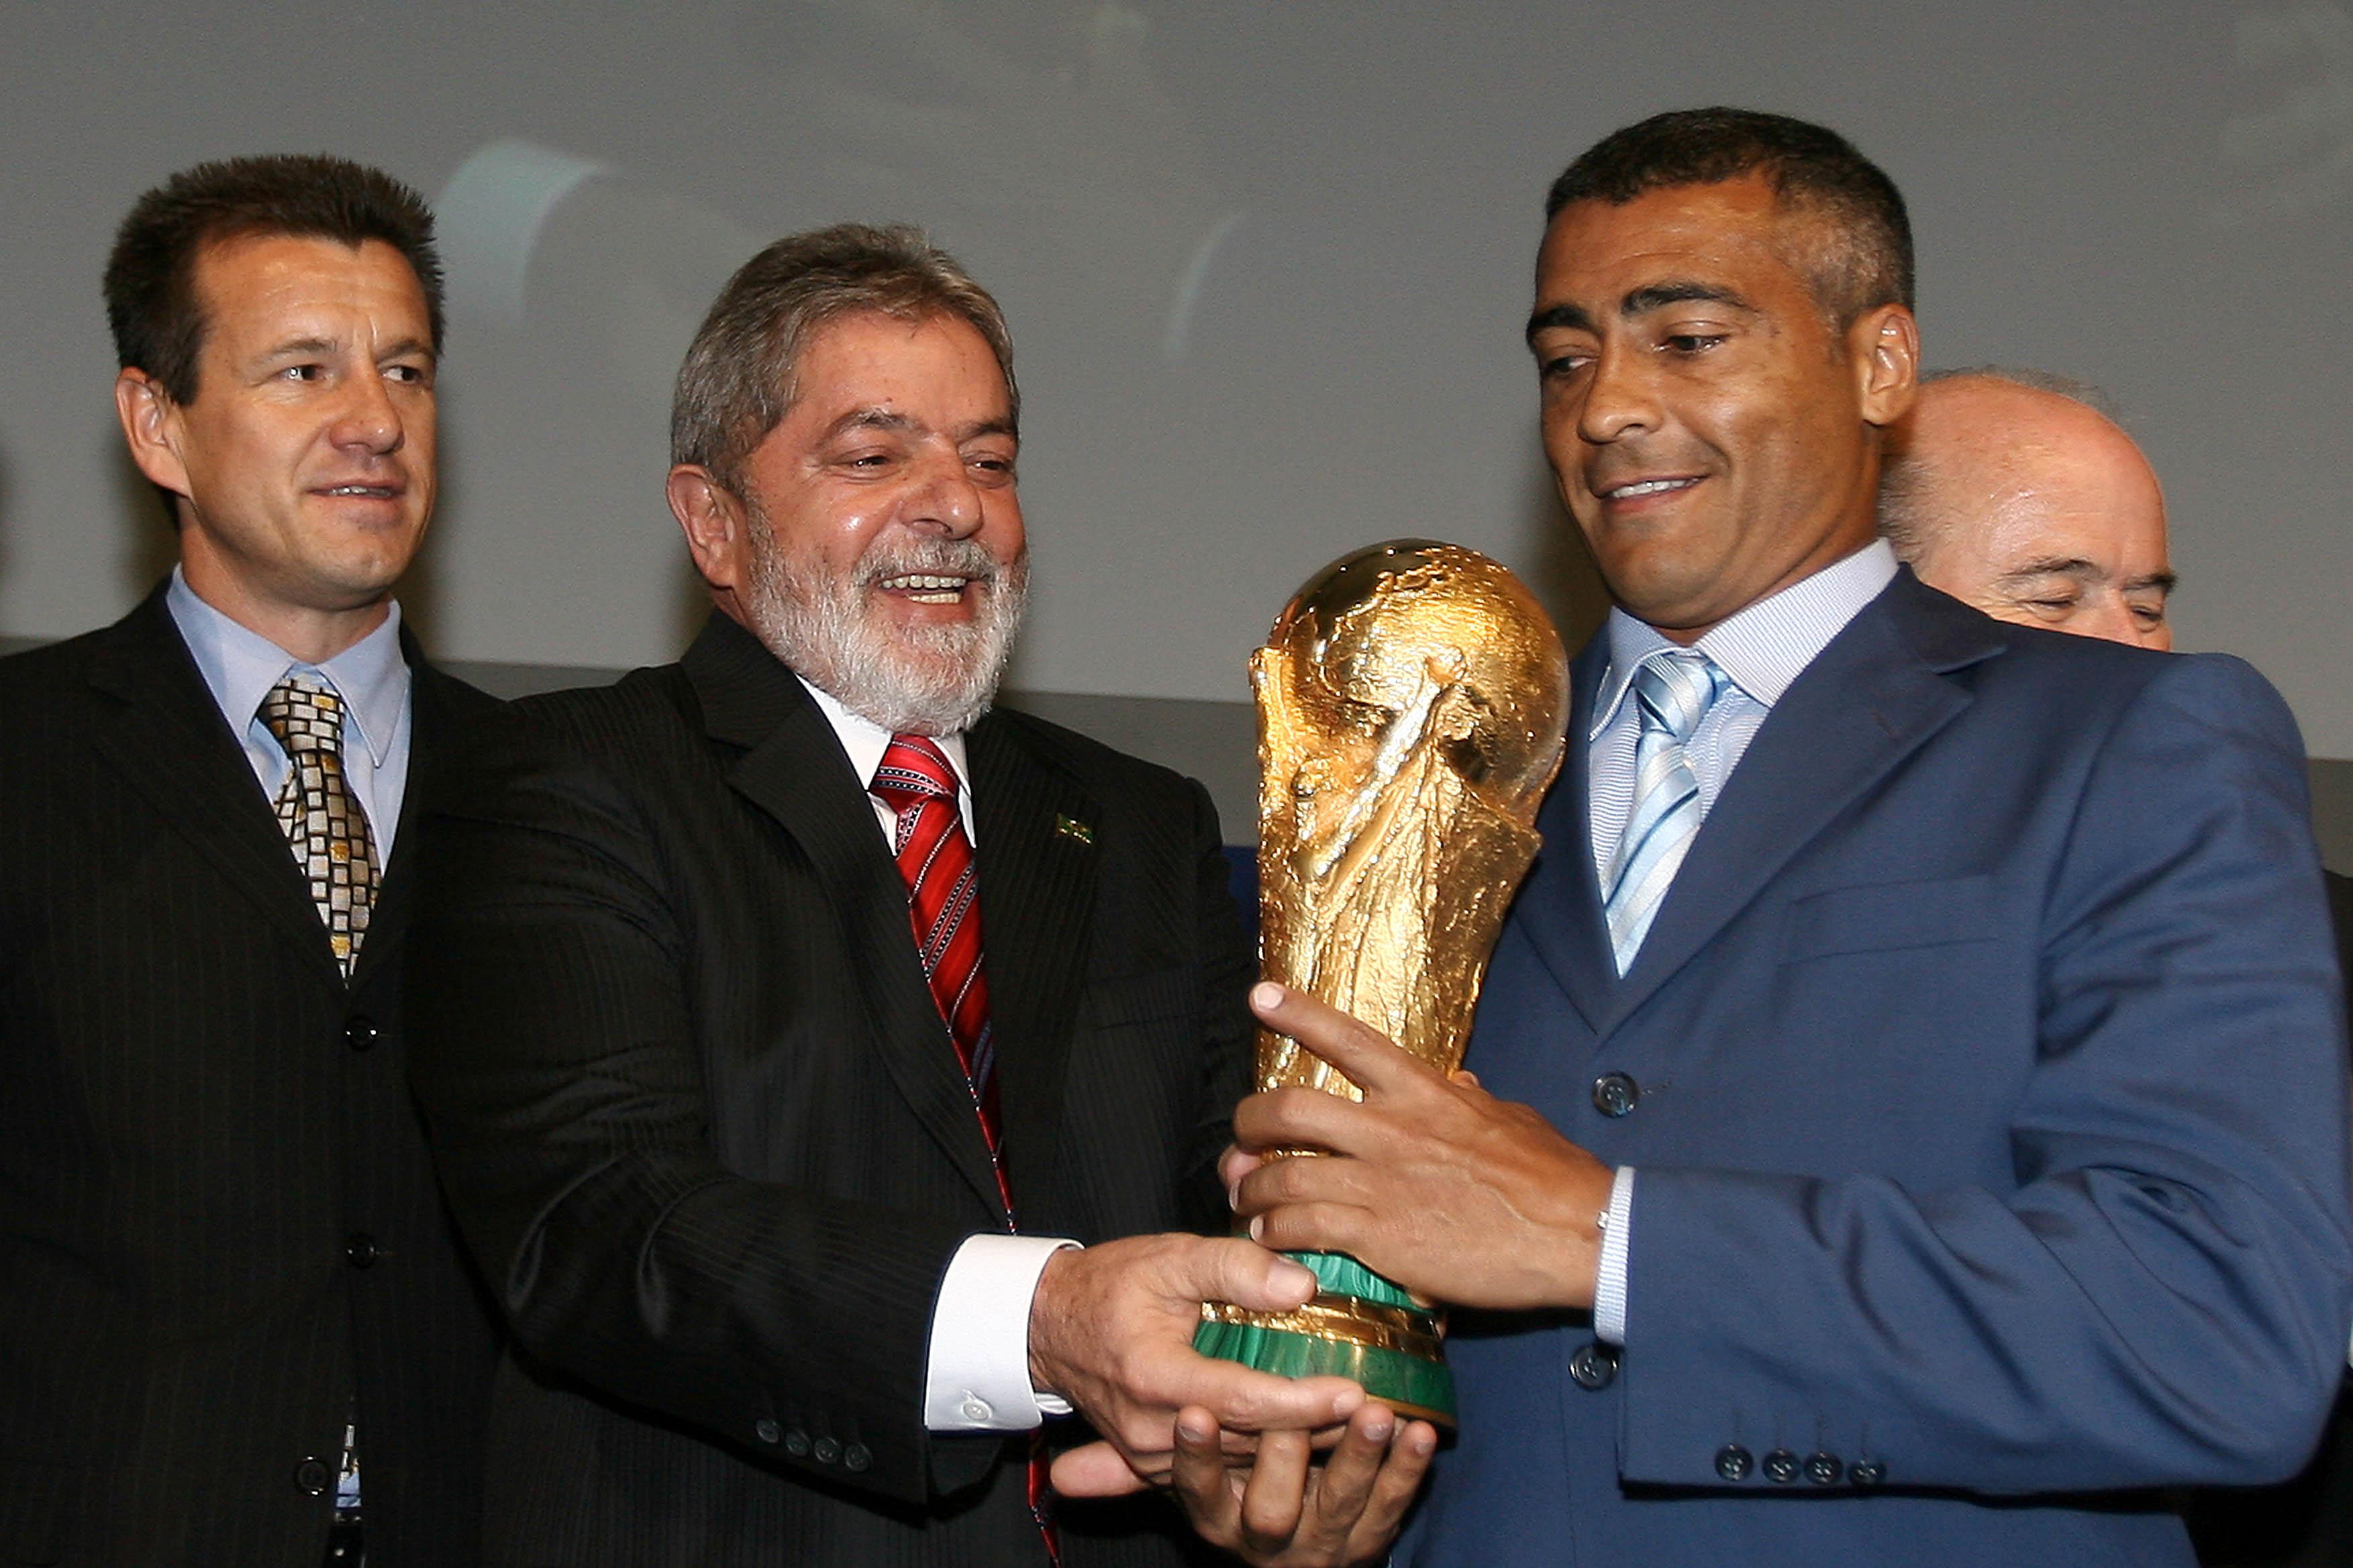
[240,666]
[1763,649]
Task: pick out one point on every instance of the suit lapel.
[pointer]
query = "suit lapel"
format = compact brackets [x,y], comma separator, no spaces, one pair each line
[793,769]
[438,710]
[1872,698]
[164,732]
[1559,909]
[1037,862]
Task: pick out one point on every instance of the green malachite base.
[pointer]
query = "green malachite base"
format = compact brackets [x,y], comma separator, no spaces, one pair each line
[1407,1383]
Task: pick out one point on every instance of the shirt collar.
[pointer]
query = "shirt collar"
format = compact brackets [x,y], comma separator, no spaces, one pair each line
[865,741]
[1766,646]
[240,666]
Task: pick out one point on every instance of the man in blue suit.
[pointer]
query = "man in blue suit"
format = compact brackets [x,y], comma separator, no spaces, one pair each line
[1910,1111]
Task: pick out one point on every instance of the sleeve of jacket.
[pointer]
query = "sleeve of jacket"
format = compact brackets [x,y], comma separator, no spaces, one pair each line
[556,1055]
[2163,1296]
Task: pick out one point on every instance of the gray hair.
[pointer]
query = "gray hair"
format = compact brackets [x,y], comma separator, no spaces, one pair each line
[737,381]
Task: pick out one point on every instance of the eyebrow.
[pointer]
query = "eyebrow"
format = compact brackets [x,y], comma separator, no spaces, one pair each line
[2162,581]
[332,346]
[2073,567]
[1650,297]
[907,424]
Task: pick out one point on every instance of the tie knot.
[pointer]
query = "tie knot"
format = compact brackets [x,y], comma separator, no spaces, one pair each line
[1676,690]
[305,715]
[915,768]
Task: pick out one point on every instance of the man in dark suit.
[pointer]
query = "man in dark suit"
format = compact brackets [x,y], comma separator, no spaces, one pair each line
[235,1324]
[780,1018]
[1910,1115]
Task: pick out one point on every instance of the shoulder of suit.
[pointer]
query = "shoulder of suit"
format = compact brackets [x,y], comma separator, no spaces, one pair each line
[56,672]
[1100,767]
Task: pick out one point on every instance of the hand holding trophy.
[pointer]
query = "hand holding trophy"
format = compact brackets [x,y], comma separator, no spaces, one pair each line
[1411,702]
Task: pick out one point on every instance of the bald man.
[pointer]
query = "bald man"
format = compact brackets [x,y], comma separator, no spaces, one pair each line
[2016,497]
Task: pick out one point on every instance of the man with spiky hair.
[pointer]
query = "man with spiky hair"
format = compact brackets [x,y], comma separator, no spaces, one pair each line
[1909,1123]
[235,1326]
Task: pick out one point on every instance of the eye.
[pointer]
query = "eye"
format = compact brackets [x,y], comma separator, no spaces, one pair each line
[1561,366]
[303,372]
[1691,343]
[993,468]
[407,374]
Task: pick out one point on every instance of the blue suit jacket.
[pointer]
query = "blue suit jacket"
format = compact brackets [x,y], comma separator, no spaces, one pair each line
[1990,1126]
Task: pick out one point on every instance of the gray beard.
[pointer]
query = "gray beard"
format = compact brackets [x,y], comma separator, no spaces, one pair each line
[924,680]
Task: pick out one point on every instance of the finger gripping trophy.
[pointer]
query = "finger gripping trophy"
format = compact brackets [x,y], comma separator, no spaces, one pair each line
[1411,699]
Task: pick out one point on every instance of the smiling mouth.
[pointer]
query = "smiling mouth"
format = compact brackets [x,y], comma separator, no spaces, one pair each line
[364,492]
[926,588]
[1641,488]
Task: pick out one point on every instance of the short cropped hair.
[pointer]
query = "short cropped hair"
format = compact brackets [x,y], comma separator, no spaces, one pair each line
[151,276]
[738,380]
[1867,261]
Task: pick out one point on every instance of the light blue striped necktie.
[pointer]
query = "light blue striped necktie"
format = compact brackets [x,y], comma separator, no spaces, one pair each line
[1672,692]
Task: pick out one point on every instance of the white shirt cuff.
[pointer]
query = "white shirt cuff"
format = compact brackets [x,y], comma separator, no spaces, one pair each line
[976,1375]
[1609,1283]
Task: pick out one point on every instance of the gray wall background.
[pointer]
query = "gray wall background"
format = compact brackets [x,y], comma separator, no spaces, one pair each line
[1266,264]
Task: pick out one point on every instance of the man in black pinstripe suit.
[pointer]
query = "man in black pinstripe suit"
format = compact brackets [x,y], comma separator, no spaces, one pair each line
[235,1325]
[750,1203]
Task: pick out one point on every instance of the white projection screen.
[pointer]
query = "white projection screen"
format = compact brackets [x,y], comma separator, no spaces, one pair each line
[1266,263]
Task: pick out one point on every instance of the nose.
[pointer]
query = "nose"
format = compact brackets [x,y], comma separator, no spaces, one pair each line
[1620,398]
[946,499]
[369,420]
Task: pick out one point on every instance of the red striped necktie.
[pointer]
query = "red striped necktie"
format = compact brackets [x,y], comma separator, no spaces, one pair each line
[935,856]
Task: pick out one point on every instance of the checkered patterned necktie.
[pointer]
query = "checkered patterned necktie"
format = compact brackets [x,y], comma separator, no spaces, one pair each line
[324,824]
[935,856]
[1673,692]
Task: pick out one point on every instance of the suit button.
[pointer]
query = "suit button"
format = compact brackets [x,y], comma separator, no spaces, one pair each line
[361,1250]
[1593,1365]
[766,1430]
[1614,1094]
[856,1458]
[797,1443]
[1781,1467]
[1824,1469]
[311,1476]
[1733,1462]
[1867,1473]
[825,1451]
[361,1034]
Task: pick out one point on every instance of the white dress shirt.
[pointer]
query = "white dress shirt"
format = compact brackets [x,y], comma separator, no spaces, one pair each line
[976,1374]
[1762,650]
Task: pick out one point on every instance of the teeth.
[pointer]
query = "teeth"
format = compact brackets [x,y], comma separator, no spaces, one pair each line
[926,587]
[1649,487]
[379,491]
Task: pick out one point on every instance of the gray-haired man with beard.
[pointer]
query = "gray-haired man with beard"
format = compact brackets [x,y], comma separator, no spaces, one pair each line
[782,1020]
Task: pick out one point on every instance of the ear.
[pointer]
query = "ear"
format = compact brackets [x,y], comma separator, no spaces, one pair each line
[713,522]
[151,424]
[1884,346]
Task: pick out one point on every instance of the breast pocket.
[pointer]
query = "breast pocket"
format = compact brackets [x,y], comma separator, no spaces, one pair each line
[1886,917]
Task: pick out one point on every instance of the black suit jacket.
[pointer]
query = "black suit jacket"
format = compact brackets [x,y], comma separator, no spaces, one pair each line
[218,1223]
[704,1126]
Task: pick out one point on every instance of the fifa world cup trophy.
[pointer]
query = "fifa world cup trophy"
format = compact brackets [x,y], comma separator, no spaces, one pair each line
[1411,700]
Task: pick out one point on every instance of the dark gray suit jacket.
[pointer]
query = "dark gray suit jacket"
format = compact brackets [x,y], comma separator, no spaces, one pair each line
[703,1125]
[217,1222]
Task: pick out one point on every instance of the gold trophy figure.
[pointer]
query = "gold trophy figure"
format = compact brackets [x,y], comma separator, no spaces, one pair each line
[1411,699]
